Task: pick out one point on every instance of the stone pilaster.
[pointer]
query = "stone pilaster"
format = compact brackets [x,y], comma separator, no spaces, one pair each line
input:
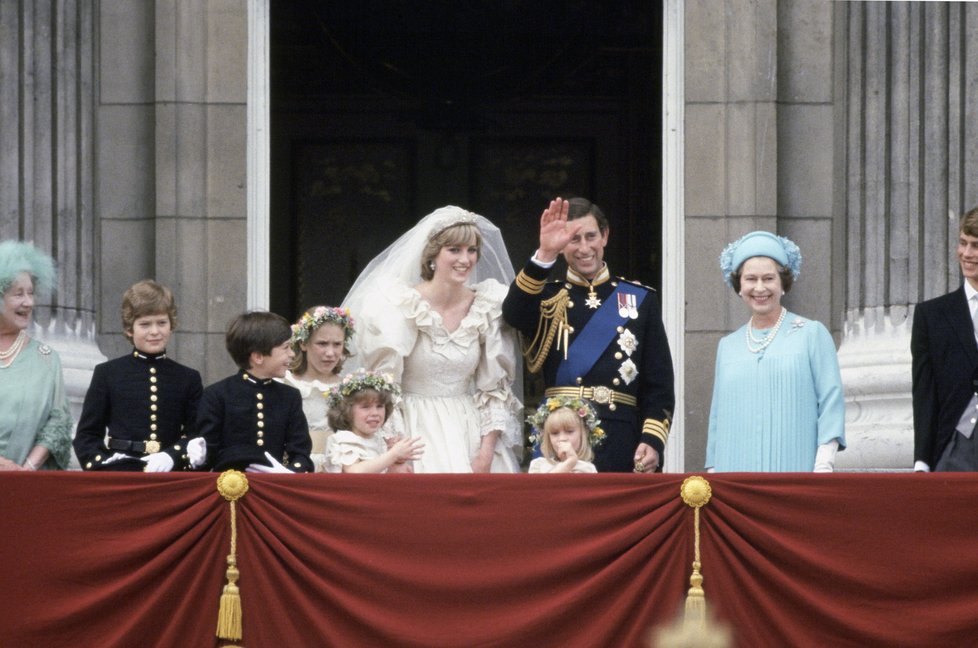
[911,156]
[47,167]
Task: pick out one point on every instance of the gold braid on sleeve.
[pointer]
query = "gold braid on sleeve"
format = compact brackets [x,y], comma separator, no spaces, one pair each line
[552,323]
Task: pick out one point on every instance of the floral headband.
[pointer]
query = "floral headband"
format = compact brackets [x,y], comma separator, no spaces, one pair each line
[310,321]
[359,381]
[783,250]
[583,409]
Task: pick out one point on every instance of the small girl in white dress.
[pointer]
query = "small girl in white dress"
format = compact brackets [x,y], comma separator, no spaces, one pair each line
[570,430]
[358,407]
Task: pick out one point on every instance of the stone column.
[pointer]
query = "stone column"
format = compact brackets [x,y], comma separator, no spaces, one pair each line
[47,166]
[911,159]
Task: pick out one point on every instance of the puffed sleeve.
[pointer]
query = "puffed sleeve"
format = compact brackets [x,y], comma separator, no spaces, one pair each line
[498,405]
[344,448]
[386,334]
[55,434]
[828,386]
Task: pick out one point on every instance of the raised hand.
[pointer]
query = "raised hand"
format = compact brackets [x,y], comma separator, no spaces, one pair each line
[555,230]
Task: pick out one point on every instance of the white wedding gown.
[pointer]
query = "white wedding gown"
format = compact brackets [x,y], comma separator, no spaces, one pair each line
[457,386]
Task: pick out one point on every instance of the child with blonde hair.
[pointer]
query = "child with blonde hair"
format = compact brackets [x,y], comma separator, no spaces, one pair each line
[566,429]
[358,407]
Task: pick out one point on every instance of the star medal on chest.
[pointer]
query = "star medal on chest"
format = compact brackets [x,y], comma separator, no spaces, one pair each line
[627,306]
[592,300]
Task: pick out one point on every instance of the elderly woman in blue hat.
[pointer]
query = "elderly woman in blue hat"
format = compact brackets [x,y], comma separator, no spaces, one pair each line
[777,392]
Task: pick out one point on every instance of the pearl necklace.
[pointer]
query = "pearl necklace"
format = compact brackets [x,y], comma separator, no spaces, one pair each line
[766,341]
[7,357]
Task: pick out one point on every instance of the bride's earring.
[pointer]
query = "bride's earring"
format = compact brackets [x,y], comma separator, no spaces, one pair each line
[431,266]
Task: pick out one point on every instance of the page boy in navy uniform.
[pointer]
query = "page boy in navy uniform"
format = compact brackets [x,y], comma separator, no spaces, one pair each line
[140,409]
[250,420]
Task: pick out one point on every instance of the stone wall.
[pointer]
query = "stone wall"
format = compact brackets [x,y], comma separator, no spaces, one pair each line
[172,150]
[760,154]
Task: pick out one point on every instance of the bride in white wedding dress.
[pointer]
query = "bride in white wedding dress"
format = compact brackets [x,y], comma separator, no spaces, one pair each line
[429,308]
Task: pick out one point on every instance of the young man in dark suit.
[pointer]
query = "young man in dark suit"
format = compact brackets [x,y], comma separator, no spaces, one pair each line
[944,346]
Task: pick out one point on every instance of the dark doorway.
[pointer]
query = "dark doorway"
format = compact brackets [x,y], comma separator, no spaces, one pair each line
[383,110]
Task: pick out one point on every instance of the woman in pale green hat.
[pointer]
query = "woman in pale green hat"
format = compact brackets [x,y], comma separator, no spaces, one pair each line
[35,422]
[777,391]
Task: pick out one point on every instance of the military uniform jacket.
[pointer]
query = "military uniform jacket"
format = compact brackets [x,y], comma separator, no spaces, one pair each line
[243,417]
[138,398]
[636,360]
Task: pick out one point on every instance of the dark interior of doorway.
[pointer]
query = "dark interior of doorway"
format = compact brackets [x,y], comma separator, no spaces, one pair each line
[383,110]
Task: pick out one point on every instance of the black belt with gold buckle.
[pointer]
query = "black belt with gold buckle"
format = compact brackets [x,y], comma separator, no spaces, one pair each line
[149,447]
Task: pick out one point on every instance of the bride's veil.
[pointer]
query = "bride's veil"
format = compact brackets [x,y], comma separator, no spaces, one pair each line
[400,263]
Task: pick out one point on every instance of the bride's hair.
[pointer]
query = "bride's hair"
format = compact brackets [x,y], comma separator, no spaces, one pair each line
[457,234]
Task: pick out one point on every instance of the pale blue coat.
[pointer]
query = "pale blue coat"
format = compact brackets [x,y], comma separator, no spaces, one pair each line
[772,409]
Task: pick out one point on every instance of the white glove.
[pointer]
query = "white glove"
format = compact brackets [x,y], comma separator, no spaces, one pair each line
[197,452]
[920,466]
[158,462]
[276,467]
[116,457]
[825,456]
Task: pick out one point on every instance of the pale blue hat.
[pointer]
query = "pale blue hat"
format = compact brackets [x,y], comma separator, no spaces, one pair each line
[782,250]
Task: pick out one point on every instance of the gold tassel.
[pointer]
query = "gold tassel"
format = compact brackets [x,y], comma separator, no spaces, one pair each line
[696,492]
[229,615]
[232,485]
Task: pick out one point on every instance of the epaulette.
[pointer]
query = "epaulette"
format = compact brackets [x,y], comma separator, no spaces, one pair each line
[636,283]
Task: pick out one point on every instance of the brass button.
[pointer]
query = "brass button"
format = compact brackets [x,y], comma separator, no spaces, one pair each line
[617,355]
[612,407]
[261,424]
[259,395]
[154,398]
[579,380]
[615,382]
[570,304]
[152,408]
[621,329]
[152,426]
[261,416]
[152,370]
[153,388]
[152,417]
[260,442]
[261,405]
[152,379]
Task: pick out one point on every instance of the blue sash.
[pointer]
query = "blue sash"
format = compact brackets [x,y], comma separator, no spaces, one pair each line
[596,336]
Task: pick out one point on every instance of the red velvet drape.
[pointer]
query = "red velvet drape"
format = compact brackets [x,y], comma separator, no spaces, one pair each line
[518,560]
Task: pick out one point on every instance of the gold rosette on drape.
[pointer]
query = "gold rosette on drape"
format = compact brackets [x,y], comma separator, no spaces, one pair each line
[232,485]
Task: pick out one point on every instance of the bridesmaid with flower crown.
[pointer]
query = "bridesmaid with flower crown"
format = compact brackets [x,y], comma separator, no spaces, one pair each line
[321,341]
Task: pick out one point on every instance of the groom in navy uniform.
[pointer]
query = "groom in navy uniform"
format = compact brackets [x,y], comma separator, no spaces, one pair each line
[945,367]
[596,336]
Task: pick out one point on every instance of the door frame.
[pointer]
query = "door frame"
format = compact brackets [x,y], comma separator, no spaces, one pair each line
[673,238]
